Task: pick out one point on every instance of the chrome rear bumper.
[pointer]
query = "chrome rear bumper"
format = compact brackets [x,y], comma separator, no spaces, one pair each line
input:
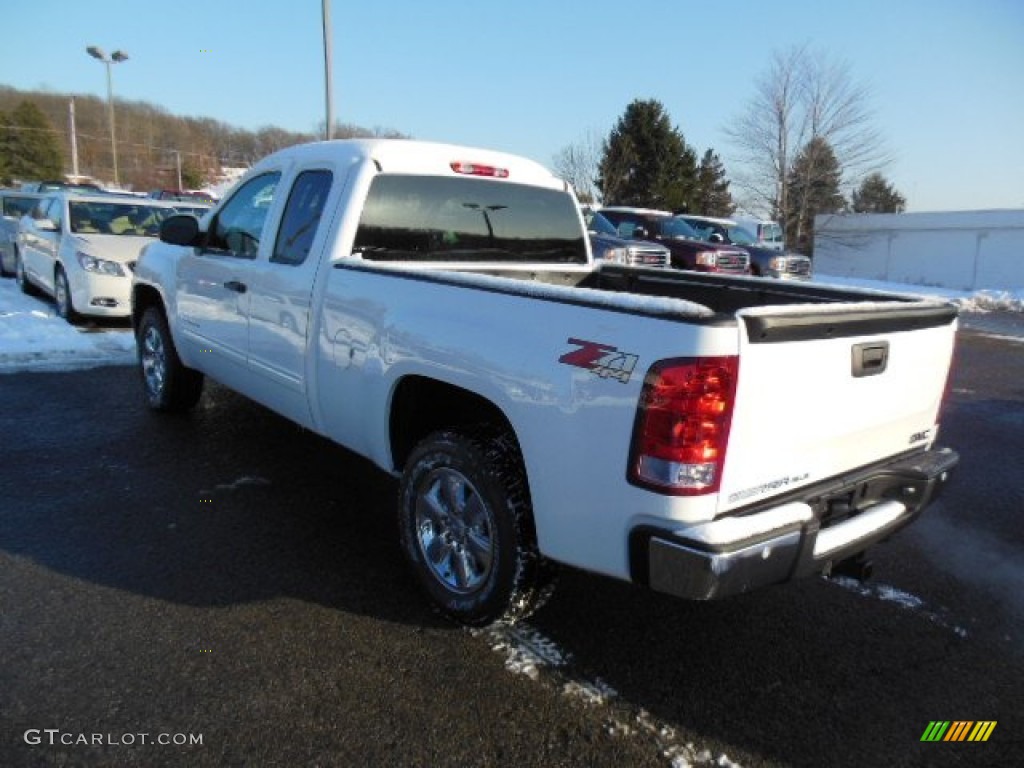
[794,537]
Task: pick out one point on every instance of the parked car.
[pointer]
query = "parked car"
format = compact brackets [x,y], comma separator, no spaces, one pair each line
[55,185]
[764,262]
[182,195]
[13,205]
[767,233]
[688,250]
[196,209]
[608,246]
[81,250]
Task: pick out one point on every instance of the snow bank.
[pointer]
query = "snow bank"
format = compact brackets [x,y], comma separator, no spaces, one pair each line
[33,338]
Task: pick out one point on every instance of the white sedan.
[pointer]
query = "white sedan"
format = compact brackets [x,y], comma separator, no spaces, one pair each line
[82,250]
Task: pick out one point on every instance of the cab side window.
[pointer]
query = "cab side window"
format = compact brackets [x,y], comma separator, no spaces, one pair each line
[238,227]
[302,217]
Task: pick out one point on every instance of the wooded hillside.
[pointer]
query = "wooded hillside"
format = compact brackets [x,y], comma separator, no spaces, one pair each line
[148,138]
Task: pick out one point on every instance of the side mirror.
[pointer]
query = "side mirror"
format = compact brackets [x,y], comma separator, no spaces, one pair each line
[46,225]
[180,229]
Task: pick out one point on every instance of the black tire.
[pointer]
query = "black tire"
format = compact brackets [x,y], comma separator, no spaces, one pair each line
[169,386]
[62,296]
[466,526]
[20,277]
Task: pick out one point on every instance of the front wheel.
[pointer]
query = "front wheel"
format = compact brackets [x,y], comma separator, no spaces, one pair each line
[169,385]
[466,527]
[62,296]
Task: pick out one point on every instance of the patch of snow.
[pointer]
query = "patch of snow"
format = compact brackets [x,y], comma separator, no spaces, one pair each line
[34,338]
[527,652]
[891,594]
[968,301]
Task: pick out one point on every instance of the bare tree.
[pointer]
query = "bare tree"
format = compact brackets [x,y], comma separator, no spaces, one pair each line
[580,165]
[801,97]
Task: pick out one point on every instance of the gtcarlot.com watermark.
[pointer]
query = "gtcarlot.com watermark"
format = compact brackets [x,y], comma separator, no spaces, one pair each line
[56,737]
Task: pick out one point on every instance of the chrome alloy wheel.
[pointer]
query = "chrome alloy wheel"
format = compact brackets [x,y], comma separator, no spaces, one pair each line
[454,530]
[62,294]
[154,361]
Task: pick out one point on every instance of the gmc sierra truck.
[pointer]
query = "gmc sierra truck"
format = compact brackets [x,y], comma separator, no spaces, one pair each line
[437,309]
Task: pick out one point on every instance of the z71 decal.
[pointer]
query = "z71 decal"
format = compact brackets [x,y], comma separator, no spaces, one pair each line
[601,359]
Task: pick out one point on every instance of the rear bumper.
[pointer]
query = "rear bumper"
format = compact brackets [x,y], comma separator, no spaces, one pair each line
[825,524]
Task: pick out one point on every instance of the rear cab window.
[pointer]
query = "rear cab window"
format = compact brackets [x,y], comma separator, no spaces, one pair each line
[432,218]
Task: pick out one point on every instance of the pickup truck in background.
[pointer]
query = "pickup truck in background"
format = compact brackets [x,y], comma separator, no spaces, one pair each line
[689,250]
[764,261]
[437,310]
[606,245]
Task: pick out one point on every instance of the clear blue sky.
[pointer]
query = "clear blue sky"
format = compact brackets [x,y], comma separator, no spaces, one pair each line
[532,76]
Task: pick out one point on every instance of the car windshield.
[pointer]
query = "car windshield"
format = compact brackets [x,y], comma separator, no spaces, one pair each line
[115,218]
[598,223]
[741,236]
[676,227]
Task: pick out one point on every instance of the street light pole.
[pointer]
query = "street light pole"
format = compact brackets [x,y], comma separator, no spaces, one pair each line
[328,77]
[115,58]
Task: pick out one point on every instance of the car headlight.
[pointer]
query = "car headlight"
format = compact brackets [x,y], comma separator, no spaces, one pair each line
[99,266]
[778,263]
[616,255]
[707,258]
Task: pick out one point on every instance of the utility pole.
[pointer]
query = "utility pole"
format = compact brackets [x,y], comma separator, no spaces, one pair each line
[74,139]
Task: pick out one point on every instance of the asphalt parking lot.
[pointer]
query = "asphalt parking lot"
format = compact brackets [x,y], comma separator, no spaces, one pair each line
[232,577]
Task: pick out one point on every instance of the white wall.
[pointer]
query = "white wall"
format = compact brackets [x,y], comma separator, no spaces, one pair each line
[962,250]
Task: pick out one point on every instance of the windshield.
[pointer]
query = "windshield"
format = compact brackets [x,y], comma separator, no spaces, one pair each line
[116,218]
[741,236]
[676,227]
[598,223]
[435,218]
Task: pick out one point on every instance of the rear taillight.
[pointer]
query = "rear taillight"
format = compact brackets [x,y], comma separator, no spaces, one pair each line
[682,425]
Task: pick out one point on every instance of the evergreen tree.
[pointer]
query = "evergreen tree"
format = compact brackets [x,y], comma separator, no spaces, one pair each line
[29,148]
[713,197]
[813,188]
[876,195]
[646,161]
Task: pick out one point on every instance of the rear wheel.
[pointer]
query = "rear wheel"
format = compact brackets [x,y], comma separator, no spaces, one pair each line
[466,527]
[19,275]
[168,384]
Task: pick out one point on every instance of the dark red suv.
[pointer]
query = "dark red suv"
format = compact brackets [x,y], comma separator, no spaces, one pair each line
[688,250]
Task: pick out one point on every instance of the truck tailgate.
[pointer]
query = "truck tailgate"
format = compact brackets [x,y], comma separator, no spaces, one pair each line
[825,389]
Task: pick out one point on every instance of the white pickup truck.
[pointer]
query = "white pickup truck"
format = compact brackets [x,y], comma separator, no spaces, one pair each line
[436,309]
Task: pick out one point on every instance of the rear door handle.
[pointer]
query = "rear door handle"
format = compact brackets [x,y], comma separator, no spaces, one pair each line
[237,287]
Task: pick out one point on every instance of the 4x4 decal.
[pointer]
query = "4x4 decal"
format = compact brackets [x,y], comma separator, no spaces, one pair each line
[603,360]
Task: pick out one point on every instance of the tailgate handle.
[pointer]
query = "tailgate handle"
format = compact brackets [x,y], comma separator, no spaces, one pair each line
[870,358]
